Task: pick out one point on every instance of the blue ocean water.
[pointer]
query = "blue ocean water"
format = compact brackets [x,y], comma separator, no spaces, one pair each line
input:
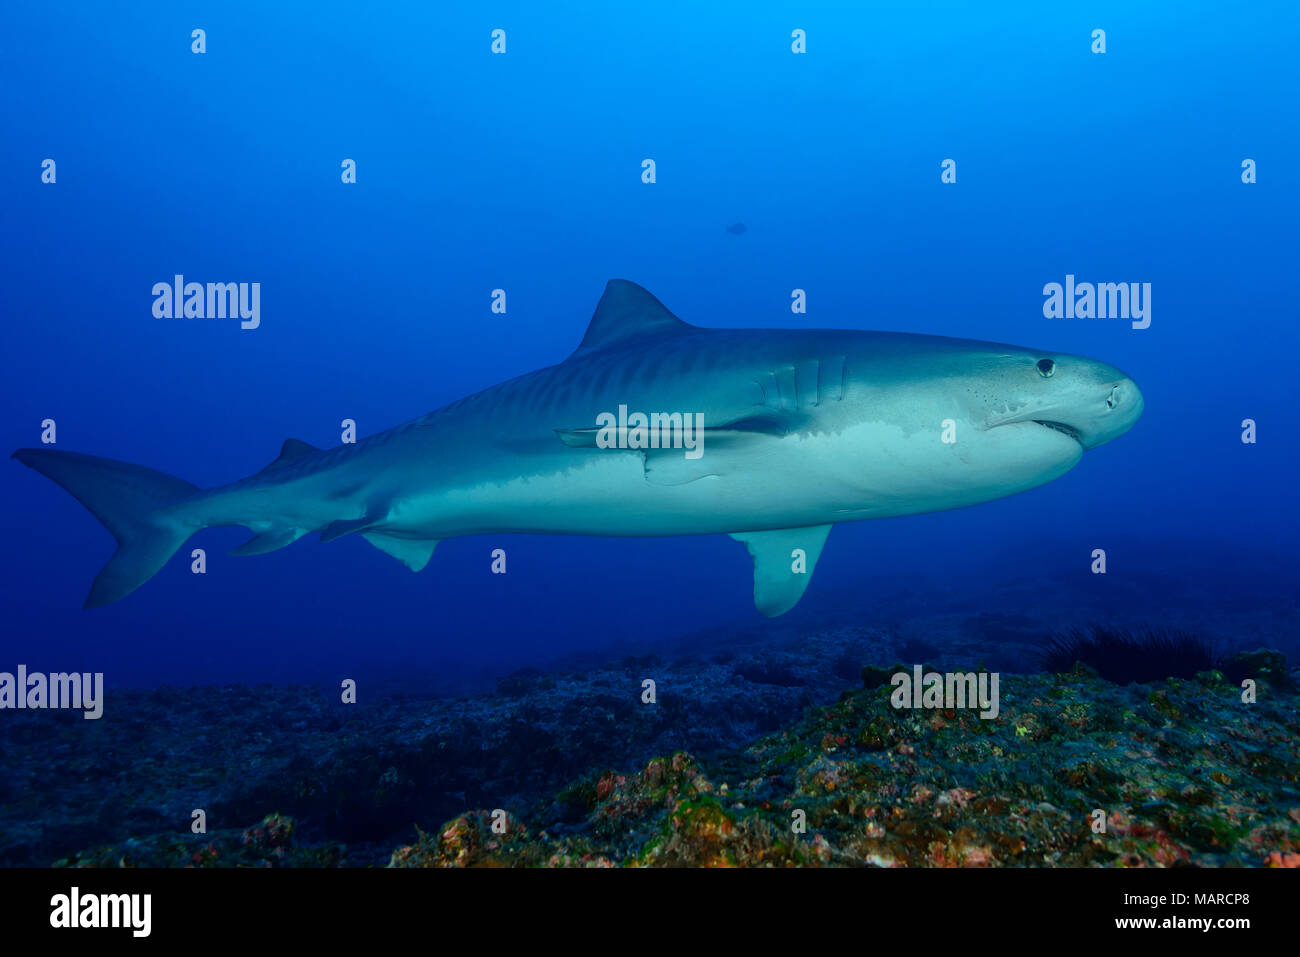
[522,171]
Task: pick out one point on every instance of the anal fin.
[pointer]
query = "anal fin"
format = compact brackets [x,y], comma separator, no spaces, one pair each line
[784,560]
[269,541]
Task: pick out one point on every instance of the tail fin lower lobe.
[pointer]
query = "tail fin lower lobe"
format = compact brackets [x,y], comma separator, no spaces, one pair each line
[130,501]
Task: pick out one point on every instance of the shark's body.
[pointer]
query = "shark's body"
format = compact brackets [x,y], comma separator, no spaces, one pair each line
[801,429]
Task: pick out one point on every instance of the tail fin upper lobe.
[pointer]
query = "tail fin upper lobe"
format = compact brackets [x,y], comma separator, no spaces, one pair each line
[130,501]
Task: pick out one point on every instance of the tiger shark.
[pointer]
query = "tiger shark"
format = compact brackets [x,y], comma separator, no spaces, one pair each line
[771,436]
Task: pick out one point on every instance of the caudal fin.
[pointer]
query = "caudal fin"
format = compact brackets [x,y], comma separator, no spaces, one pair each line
[130,501]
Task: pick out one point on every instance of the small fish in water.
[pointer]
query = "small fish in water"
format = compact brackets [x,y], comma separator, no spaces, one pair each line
[737,229]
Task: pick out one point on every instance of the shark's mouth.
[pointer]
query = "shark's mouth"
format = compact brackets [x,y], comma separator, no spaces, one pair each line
[1069,430]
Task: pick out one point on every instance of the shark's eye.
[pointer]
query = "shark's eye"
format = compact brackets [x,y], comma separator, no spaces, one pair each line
[1046,367]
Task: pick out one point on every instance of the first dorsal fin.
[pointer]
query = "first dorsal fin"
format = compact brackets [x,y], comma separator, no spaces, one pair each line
[290,452]
[627,313]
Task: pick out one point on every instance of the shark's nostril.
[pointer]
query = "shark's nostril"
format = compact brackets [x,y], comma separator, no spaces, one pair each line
[1112,400]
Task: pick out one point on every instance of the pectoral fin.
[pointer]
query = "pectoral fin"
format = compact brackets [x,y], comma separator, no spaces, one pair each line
[672,467]
[784,560]
[578,438]
[767,424]
[669,460]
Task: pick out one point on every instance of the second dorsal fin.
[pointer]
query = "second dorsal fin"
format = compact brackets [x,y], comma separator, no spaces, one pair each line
[627,313]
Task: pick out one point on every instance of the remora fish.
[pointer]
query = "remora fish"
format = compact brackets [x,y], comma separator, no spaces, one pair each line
[801,429]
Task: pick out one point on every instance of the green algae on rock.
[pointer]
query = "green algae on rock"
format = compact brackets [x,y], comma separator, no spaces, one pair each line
[1183,773]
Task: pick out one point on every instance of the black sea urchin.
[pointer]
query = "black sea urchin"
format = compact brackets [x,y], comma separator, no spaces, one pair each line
[1124,656]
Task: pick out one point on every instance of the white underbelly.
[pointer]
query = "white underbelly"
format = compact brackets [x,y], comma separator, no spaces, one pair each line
[871,470]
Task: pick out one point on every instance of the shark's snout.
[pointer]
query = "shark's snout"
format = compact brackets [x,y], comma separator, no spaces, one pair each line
[1095,412]
[1090,402]
[1122,408]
